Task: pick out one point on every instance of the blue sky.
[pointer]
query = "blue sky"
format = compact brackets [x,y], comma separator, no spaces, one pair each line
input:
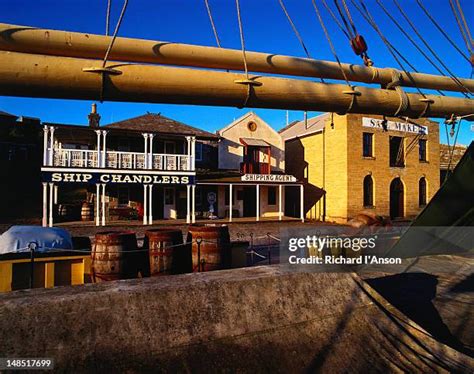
[266,29]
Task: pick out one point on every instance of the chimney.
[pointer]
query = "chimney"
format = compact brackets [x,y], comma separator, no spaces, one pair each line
[94,117]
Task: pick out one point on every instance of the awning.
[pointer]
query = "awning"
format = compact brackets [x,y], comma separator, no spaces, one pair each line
[252,142]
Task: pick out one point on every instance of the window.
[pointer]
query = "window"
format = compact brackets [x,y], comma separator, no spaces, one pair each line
[123,195]
[422,149]
[198,150]
[368,191]
[272,195]
[367,146]
[397,152]
[422,191]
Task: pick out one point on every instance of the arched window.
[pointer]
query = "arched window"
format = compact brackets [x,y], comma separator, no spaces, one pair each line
[368,191]
[422,191]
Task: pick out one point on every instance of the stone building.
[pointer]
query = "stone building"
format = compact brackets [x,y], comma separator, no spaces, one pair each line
[354,163]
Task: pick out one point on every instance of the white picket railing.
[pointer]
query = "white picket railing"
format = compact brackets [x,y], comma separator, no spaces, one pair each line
[121,160]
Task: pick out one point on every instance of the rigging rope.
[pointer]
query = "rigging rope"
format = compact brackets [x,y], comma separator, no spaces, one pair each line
[117,27]
[338,23]
[295,30]
[107,17]
[396,82]
[455,79]
[211,19]
[411,40]
[247,81]
[357,41]
[352,90]
[466,35]
[442,31]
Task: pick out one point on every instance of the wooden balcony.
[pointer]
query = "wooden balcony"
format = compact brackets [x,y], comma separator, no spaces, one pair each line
[255,168]
[77,158]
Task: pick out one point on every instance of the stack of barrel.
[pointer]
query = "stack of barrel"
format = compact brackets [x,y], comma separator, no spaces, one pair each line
[116,255]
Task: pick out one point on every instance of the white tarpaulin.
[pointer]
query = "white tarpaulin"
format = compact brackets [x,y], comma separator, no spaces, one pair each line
[17,239]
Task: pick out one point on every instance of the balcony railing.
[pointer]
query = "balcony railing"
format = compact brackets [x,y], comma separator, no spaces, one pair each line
[120,160]
[254,168]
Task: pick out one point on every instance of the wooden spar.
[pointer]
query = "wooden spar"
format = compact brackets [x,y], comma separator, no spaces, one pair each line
[63,77]
[70,44]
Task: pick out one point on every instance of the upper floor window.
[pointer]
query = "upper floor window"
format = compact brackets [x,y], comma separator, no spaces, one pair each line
[367,144]
[422,191]
[422,149]
[368,191]
[198,150]
[397,152]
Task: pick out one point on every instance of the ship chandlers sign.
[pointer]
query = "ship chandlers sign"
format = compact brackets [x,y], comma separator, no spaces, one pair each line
[112,178]
[267,178]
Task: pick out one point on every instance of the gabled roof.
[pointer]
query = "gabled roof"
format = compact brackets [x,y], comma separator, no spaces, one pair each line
[5,114]
[246,116]
[302,128]
[157,123]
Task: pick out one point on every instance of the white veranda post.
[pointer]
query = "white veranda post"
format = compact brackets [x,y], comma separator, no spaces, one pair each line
[150,203]
[302,203]
[145,204]
[280,210]
[103,204]
[97,204]
[45,145]
[51,197]
[45,205]
[99,158]
[150,155]
[230,202]
[257,203]
[145,161]
[51,145]
[188,203]
[193,203]
[104,149]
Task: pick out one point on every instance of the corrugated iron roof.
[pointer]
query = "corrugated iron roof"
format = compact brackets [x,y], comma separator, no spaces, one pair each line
[254,142]
[303,128]
[157,123]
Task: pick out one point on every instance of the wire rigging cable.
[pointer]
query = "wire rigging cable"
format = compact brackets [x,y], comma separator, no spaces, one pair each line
[455,79]
[436,24]
[462,24]
[247,81]
[395,84]
[352,90]
[117,27]
[211,19]
[295,30]
[107,17]
[411,40]
[357,41]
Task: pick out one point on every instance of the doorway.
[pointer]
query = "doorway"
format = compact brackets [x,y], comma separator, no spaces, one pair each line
[396,199]
[250,201]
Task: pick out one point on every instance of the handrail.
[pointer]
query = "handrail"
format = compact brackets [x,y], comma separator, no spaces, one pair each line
[121,159]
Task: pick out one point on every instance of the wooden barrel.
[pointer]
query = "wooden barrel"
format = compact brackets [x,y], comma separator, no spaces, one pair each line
[214,251]
[166,252]
[86,212]
[115,256]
